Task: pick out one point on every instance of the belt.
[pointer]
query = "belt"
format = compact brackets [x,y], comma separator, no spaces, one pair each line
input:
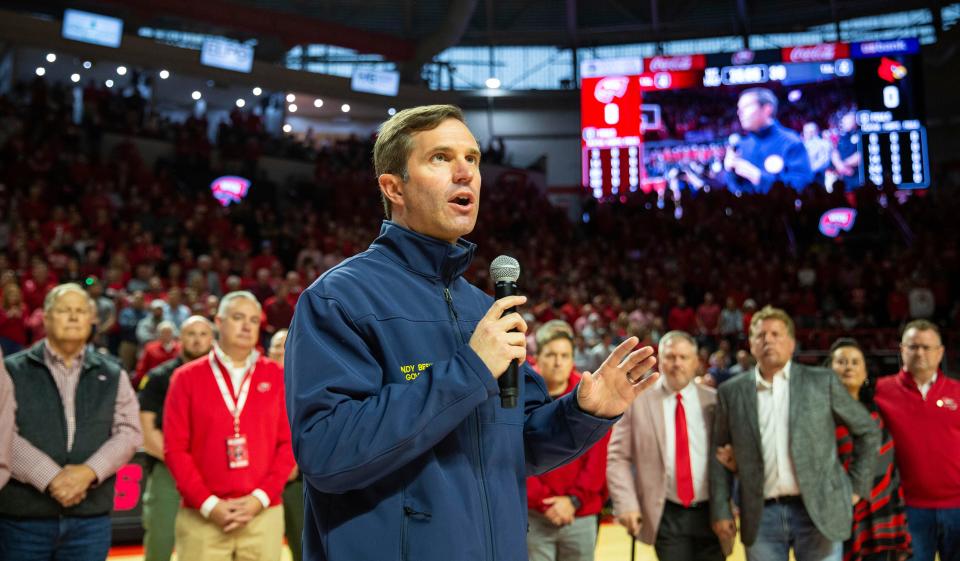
[783,500]
[693,506]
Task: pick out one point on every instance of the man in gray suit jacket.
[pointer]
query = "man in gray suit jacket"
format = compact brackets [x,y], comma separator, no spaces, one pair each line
[780,419]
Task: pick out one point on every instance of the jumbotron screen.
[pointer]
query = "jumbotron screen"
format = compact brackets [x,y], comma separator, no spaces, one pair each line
[834,116]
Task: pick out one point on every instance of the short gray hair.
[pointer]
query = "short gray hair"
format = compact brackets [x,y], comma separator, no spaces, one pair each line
[669,337]
[167,324]
[227,301]
[61,289]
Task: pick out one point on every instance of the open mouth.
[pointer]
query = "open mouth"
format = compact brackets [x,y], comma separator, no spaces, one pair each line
[462,200]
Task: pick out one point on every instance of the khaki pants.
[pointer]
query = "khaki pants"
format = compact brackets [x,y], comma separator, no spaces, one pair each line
[260,540]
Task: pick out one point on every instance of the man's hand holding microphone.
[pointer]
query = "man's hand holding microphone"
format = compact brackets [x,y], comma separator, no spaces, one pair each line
[501,339]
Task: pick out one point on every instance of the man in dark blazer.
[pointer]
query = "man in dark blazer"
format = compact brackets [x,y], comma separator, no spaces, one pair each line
[780,419]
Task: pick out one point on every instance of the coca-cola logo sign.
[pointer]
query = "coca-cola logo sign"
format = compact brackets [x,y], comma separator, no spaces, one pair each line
[683,63]
[816,53]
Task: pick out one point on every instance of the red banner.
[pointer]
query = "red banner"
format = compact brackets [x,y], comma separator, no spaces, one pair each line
[671,80]
[816,53]
[610,106]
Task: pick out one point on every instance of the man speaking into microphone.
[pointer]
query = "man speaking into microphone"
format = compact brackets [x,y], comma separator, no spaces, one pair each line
[392,362]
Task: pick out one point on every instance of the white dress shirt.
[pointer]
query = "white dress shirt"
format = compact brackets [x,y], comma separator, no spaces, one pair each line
[236,372]
[696,438]
[773,415]
[925,387]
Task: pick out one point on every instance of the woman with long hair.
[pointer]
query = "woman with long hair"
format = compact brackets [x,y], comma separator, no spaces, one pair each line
[879,521]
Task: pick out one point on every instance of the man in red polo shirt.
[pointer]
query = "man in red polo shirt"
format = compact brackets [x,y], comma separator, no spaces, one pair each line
[921,408]
[227,443]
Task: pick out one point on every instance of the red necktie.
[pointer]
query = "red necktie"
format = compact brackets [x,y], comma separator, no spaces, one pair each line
[683,471]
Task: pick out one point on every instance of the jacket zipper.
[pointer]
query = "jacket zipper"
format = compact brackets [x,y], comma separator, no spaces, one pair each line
[476,417]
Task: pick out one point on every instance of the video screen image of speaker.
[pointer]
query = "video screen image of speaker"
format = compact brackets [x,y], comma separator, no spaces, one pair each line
[834,116]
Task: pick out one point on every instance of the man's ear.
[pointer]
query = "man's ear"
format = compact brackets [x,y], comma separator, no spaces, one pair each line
[392,188]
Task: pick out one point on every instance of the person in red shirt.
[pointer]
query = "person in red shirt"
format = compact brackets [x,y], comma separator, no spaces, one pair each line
[278,310]
[708,320]
[13,320]
[920,406]
[36,287]
[564,503]
[158,351]
[682,317]
[265,259]
[227,443]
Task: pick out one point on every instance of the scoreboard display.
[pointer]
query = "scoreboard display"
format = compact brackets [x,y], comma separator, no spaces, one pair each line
[672,122]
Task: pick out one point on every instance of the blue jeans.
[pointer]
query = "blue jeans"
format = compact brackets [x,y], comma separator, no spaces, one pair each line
[933,530]
[783,526]
[55,539]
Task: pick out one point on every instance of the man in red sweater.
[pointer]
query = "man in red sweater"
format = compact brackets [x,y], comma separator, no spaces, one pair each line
[564,503]
[921,408]
[227,443]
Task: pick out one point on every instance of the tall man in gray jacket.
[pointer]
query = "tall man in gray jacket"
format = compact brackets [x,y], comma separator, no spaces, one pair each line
[780,419]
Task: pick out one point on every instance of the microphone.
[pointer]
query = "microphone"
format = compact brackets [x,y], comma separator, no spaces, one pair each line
[505,270]
[734,141]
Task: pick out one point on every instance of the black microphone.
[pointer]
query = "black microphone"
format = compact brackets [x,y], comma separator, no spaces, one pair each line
[505,271]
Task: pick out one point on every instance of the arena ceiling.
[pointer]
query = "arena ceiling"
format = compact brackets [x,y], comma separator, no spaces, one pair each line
[406,30]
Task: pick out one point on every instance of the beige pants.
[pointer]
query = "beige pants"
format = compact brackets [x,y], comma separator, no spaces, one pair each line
[260,540]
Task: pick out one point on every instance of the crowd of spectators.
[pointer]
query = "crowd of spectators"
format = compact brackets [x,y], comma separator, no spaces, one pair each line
[153,245]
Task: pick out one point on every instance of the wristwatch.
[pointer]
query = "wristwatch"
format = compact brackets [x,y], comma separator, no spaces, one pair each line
[576,502]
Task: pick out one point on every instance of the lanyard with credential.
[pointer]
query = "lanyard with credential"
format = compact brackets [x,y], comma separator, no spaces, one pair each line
[234,407]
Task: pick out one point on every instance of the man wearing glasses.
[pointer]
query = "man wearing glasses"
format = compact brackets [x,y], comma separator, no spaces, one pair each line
[921,408]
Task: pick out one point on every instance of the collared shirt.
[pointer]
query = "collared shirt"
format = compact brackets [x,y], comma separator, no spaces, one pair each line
[32,466]
[8,425]
[236,372]
[696,438]
[773,415]
[925,387]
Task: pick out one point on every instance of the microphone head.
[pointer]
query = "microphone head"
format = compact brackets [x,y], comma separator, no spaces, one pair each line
[504,268]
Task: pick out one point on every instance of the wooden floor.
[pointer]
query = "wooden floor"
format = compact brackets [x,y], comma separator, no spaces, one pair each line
[613,545]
